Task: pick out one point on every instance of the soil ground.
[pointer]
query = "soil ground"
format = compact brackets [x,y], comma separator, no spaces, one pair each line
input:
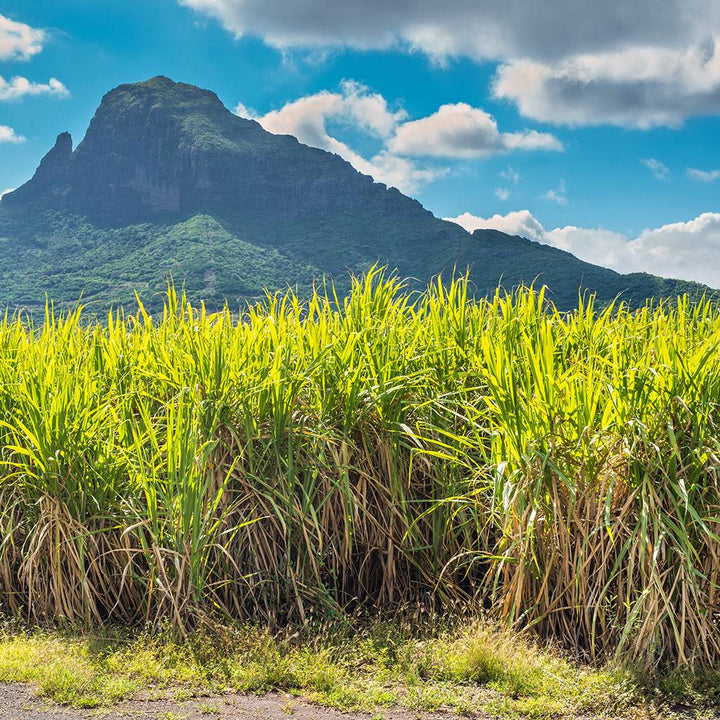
[18,702]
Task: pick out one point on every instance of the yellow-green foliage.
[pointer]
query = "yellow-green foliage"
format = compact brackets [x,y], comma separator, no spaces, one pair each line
[376,451]
[476,669]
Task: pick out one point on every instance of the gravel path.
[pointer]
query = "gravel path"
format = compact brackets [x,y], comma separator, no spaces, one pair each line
[18,702]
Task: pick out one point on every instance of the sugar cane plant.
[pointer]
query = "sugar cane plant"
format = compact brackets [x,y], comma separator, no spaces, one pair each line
[314,457]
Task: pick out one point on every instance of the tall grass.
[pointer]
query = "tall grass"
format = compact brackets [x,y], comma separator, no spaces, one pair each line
[323,456]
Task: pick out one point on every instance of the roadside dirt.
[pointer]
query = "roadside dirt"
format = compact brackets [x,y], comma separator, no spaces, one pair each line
[18,702]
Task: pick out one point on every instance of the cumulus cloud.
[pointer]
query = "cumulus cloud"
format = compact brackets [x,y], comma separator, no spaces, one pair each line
[8,135]
[19,41]
[511,175]
[687,250]
[557,195]
[19,87]
[520,222]
[462,131]
[637,86]
[355,105]
[359,109]
[703,175]
[659,170]
[479,30]
[453,132]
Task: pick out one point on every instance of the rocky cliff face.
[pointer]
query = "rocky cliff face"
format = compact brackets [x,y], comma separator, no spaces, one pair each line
[165,149]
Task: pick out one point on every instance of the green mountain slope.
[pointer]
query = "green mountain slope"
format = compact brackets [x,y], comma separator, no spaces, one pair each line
[168,182]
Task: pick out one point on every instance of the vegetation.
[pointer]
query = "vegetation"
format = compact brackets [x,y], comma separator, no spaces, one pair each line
[67,259]
[232,260]
[383,450]
[469,669]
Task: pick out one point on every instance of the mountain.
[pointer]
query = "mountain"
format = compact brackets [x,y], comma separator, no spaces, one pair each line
[167,181]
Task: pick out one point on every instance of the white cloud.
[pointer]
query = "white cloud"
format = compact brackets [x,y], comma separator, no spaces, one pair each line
[359,109]
[243,111]
[19,41]
[703,175]
[608,248]
[687,250]
[520,222]
[557,195]
[511,175]
[659,170]
[639,86]
[8,135]
[462,131]
[454,131]
[502,193]
[354,105]
[392,170]
[19,87]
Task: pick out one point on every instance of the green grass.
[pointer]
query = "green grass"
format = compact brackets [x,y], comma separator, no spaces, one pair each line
[473,669]
[384,450]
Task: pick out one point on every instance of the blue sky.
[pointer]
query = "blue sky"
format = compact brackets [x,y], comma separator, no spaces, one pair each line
[584,131]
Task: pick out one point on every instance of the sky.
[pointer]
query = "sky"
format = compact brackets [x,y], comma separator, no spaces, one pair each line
[589,126]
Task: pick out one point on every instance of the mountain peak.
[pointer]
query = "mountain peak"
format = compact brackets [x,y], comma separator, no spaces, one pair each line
[50,177]
[158,81]
[165,150]
[152,147]
[63,143]
[161,91]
